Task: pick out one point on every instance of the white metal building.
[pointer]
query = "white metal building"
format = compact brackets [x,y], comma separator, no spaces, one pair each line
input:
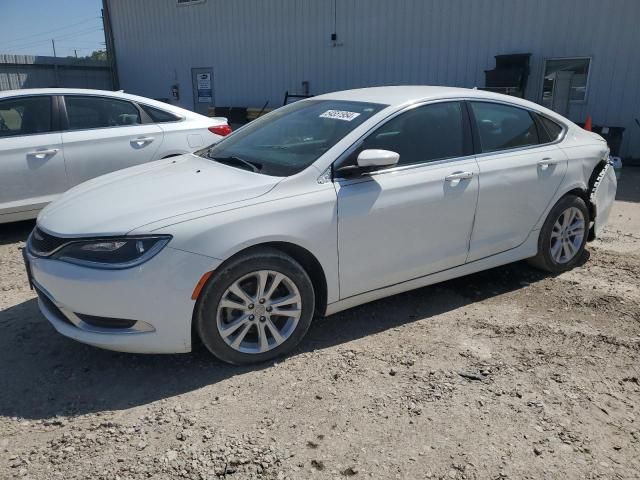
[584,54]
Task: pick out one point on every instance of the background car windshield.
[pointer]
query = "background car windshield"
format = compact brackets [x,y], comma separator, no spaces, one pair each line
[294,136]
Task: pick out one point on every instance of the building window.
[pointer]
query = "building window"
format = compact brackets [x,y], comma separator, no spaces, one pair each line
[571,73]
[189,2]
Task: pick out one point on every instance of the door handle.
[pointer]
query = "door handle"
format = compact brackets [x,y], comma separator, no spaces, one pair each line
[546,162]
[142,141]
[457,176]
[41,154]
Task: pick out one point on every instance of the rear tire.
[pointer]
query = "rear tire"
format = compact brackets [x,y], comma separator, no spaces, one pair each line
[563,236]
[258,307]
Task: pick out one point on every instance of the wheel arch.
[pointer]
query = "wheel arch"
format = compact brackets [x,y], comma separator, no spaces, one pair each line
[304,257]
[300,254]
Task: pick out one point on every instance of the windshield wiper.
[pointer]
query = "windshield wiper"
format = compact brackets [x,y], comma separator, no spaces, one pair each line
[253,166]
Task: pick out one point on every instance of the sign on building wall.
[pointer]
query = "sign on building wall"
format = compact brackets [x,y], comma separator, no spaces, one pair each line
[204,87]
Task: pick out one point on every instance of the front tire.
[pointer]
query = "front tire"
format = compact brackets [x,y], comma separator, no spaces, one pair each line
[258,307]
[563,236]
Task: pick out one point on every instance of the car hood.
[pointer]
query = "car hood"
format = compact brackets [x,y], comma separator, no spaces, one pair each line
[122,201]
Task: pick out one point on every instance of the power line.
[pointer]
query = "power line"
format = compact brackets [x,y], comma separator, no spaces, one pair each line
[62,37]
[47,32]
[80,42]
[78,34]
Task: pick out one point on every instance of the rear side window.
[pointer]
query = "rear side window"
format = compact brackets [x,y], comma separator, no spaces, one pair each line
[160,116]
[501,127]
[100,112]
[25,116]
[552,128]
[428,133]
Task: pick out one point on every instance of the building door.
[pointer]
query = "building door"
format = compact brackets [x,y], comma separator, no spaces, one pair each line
[202,81]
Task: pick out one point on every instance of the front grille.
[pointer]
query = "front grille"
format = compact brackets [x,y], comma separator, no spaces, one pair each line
[41,243]
[52,307]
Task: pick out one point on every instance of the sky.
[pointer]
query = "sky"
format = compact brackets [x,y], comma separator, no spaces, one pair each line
[27,27]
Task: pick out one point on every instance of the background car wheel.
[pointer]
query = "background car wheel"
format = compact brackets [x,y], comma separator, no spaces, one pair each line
[258,307]
[563,236]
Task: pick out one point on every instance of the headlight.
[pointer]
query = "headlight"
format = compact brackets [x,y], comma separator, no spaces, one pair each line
[112,253]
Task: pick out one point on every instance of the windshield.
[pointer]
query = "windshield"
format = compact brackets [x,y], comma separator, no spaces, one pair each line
[292,137]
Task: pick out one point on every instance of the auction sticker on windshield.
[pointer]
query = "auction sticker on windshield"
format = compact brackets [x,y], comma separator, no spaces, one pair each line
[340,115]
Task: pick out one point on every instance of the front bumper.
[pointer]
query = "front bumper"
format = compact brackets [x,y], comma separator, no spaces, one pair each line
[156,296]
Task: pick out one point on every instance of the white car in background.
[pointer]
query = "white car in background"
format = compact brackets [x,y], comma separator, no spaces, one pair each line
[52,139]
[319,206]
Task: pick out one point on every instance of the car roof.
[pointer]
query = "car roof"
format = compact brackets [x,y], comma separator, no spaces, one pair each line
[397,96]
[106,93]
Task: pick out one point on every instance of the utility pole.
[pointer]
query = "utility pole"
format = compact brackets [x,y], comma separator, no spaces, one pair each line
[55,64]
[76,52]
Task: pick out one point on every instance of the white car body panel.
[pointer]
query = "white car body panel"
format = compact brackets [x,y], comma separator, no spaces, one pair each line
[26,185]
[385,233]
[91,153]
[186,181]
[43,175]
[515,190]
[134,293]
[410,204]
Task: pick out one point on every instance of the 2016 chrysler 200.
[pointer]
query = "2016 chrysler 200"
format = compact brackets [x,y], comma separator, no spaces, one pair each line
[319,206]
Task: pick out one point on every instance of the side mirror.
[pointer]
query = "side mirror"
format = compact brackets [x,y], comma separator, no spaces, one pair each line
[377,158]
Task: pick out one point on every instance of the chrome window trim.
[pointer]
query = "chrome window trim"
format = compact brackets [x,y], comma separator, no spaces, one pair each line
[383,121]
[480,155]
[560,138]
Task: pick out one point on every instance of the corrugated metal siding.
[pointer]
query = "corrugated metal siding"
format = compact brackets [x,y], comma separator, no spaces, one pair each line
[260,48]
[28,71]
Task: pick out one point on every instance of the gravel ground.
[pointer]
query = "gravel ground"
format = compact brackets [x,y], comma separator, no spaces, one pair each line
[509,373]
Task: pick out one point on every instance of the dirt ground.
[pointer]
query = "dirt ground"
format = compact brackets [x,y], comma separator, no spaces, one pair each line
[509,373]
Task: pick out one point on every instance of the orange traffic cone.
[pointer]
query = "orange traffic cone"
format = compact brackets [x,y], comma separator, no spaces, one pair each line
[588,125]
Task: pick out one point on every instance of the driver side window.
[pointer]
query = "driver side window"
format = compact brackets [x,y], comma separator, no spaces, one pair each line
[423,134]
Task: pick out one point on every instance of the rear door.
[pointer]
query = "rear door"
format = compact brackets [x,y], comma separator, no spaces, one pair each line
[521,168]
[104,134]
[32,168]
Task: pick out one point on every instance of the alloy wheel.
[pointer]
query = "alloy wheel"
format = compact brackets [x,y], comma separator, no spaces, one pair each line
[567,235]
[259,311]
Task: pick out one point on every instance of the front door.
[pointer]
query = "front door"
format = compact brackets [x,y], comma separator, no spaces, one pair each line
[32,168]
[202,82]
[416,218]
[521,169]
[105,134]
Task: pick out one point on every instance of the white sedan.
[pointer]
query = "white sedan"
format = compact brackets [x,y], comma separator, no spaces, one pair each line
[52,139]
[322,205]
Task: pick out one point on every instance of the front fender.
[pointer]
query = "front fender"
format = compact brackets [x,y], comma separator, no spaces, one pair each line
[308,221]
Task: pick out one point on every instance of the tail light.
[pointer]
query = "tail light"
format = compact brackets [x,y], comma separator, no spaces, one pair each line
[222,130]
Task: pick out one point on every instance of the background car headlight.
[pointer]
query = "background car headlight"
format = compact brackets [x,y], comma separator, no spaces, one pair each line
[112,253]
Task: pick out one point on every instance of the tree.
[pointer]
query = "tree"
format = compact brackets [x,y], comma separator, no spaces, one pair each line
[98,55]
